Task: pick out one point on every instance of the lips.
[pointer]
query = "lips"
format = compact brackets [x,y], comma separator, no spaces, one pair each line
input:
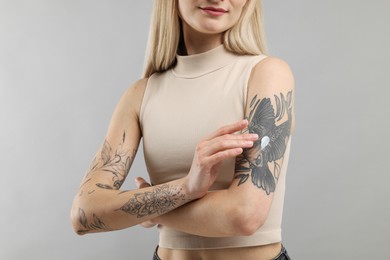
[213,10]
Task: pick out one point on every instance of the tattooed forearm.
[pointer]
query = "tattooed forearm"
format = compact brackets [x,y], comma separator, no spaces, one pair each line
[117,163]
[158,201]
[88,226]
[269,149]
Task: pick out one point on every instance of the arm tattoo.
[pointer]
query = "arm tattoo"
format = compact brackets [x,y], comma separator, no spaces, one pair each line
[116,162]
[104,186]
[257,160]
[158,201]
[96,224]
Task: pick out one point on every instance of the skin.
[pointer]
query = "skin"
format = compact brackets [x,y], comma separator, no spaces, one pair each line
[100,205]
[184,204]
[202,31]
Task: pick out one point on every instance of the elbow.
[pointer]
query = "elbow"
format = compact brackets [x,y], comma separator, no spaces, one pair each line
[247,221]
[77,219]
[87,213]
[74,220]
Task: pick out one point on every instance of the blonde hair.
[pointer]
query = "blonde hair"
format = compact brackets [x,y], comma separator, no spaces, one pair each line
[246,37]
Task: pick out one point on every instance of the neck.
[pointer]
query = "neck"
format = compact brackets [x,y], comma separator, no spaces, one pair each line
[197,42]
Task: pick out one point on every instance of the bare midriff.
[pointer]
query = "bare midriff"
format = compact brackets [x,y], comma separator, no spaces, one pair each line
[264,252]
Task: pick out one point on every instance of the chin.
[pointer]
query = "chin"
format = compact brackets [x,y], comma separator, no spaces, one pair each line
[209,29]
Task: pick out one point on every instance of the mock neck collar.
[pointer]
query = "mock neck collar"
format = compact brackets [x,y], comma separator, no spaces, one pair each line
[196,65]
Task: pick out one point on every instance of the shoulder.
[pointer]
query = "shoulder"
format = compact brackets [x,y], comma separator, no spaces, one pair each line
[272,77]
[132,98]
[136,89]
[272,72]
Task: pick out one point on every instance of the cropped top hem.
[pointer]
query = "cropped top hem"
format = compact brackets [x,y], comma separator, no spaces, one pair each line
[197,243]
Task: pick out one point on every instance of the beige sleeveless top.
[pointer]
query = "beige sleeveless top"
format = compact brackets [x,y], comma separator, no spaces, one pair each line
[181,106]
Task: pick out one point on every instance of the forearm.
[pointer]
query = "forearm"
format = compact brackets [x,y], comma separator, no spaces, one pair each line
[100,206]
[211,216]
[98,209]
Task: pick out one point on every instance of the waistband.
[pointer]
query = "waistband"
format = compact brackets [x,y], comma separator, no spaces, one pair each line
[283,255]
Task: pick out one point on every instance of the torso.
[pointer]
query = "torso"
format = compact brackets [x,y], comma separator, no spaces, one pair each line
[177,110]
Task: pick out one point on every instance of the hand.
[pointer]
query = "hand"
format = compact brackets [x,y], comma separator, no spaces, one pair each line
[141,183]
[211,151]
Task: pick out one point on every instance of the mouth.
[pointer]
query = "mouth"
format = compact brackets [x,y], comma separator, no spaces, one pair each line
[213,11]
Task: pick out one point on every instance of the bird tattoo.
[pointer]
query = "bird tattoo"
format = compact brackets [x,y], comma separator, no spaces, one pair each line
[271,144]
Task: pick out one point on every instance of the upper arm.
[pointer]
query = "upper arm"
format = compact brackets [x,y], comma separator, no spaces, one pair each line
[113,160]
[270,112]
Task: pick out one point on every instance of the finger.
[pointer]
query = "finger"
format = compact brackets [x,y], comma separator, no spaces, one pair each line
[226,144]
[229,129]
[228,141]
[232,137]
[220,156]
[147,224]
[141,183]
[247,136]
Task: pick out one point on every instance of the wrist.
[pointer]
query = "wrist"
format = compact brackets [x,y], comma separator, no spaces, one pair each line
[191,191]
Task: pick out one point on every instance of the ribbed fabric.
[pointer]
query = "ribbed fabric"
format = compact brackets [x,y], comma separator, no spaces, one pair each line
[183,105]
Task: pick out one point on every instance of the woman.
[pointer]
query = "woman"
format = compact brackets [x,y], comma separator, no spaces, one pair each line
[215,194]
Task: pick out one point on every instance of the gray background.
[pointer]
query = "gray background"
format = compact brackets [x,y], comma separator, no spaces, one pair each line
[65,64]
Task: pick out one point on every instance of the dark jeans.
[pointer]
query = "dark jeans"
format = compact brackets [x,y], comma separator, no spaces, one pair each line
[281,256]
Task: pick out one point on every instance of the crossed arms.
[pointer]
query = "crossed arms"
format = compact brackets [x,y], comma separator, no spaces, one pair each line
[184,204]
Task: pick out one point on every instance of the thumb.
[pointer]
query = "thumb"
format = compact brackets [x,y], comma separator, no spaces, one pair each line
[141,183]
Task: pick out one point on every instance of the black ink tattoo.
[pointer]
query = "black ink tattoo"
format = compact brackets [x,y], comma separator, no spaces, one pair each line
[86,181]
[81,191]
[271,145]
[116,162]
[97,224]
[104,186]
[158,201]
